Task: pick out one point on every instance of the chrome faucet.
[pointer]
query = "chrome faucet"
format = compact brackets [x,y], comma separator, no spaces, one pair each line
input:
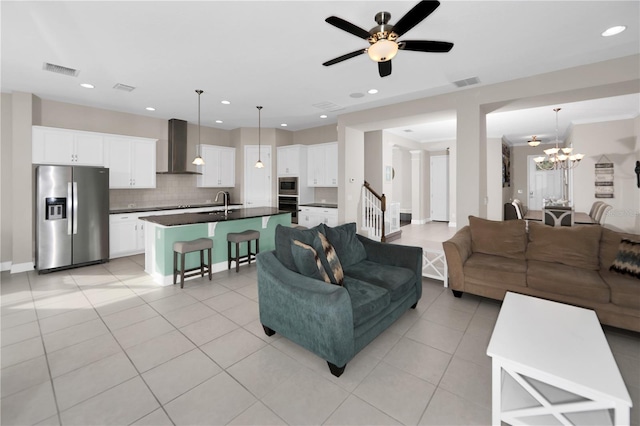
[226,200]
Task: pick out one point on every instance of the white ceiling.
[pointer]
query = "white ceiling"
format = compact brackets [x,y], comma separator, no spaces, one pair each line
[270,53]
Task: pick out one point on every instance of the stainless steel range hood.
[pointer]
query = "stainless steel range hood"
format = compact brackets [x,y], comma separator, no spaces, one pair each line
[177,164]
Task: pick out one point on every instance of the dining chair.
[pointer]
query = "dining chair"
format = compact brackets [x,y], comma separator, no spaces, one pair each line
[558,216]
[603,213]
[600,212]
[594,209]
[519,208]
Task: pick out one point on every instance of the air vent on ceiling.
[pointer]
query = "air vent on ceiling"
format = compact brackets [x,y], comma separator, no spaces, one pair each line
[124,87]
[328,106]
[467,82]
[60,69]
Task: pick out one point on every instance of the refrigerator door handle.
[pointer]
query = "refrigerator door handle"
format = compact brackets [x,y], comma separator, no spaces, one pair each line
[75,207]
[69,207]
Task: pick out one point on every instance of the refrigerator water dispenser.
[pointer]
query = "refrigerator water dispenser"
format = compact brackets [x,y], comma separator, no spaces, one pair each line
[55,208]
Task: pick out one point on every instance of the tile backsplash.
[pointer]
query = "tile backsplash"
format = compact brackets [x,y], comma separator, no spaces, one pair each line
[170,190]
[175,190]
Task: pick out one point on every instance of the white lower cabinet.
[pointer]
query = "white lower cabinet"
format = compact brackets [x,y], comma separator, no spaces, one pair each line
[313,216]
[126,234]
[126,230]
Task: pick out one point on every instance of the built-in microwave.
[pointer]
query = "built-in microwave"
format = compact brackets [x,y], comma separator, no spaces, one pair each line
[288,186]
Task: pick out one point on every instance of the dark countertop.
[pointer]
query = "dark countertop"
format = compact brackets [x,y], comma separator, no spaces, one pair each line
[156,209]
[213,216]
[321,205]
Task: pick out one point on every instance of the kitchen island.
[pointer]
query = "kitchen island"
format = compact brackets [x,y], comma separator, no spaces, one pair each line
[162,231]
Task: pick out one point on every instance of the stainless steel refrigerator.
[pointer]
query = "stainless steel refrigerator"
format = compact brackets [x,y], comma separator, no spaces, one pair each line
[72,216]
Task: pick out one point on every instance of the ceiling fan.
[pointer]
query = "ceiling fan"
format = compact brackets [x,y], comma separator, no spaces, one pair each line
[382,38]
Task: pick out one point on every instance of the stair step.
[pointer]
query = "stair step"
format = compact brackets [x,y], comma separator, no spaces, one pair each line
[393,236]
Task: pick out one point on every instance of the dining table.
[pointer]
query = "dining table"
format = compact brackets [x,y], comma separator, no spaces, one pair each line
[579,218]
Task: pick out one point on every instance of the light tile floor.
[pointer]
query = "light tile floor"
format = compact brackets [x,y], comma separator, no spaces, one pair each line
[105,345]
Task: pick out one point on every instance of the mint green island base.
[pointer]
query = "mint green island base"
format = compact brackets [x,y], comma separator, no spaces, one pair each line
[159,239]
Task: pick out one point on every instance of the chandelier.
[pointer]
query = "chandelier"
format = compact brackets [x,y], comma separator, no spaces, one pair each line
[558,158]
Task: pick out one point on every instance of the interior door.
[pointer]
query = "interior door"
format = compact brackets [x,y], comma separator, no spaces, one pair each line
[257,182]
[439,185]
[542,184]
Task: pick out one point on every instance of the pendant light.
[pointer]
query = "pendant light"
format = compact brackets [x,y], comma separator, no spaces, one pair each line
[558,158]
[198,160]
[259,163]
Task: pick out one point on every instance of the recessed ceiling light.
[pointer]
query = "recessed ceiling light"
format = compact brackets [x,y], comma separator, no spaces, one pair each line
[372,91]
[87,86]
[613,31]
[283,125]
[219,121]
[150,108]
[323,116]
[225,102]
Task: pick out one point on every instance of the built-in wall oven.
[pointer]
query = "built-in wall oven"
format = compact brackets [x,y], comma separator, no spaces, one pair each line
[288,196]
[289,204]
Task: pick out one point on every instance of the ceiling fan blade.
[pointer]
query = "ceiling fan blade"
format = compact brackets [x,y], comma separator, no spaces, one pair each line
[415,16]
[345,57]
[348,27]
[425,45]
[384,68]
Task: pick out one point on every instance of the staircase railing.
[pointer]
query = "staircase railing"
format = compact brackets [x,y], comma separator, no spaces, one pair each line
[374,207]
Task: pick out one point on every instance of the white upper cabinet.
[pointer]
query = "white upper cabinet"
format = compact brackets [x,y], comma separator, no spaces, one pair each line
[322,161]
[219,169]
[131,162]
[291,159]
[68,147]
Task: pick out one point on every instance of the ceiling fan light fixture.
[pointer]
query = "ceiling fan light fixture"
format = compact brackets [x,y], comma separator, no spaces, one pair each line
[533,142]
[383,50]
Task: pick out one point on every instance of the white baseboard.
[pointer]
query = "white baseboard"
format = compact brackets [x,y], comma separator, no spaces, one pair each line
[22,267]
[420,221]
[452,225]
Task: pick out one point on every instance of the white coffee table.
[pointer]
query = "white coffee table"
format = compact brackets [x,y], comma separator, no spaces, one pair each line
[551,364]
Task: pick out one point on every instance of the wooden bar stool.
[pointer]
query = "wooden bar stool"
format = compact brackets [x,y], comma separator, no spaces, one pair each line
[241,237]
[183,247]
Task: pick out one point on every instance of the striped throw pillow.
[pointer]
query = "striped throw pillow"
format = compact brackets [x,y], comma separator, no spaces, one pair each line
[332,265]
[308,262]
[627,260]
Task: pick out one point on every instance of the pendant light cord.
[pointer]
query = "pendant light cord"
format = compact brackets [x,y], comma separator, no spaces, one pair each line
[259,128]
[199,92]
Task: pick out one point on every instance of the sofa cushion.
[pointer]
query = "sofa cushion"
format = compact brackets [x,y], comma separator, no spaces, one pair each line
[627,260]
[348,247]
[625,290]
[329,258]
[609,244]
[285,236]
[495,271]
[503,238]
[307,261]
[395,279]
[577,246]
[367,300]
[556,278]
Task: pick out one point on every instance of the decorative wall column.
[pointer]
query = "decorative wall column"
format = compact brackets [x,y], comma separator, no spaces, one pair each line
[418,213]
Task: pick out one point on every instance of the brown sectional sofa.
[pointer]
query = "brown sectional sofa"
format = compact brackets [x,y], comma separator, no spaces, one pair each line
[565,264]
